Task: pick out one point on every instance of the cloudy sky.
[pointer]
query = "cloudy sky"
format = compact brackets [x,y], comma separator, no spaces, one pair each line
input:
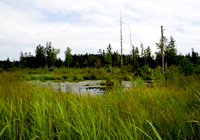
[90,25]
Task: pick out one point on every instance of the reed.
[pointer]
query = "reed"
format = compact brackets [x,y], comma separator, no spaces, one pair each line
[167,110]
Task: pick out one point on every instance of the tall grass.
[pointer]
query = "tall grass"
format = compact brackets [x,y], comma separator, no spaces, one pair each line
[169,110]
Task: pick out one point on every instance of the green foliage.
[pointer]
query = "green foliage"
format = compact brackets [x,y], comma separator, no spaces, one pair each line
[186,67]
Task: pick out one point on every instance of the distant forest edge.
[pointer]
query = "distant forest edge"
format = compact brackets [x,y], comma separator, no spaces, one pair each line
[139,57]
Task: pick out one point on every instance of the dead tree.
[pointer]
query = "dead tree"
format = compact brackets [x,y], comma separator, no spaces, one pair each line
[162,50]
[133,51]
[121,40]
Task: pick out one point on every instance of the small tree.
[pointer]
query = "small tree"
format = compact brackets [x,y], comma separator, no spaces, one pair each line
[186,67]
[142,50]
[116,59]
[40,56]
[194,57]
[137,56]
[170,51]
[148,52]
[51,54]
[59,63]
[68,56]
[7,64]
[159,45]
[108,56]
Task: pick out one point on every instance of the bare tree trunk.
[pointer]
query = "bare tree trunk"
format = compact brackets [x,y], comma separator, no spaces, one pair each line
[162,48]
[121,41]
[133,51]
[68,62]
[165,66]
[145,60]
[134,60]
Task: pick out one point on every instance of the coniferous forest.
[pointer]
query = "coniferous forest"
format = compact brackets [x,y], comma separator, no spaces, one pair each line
[139,58]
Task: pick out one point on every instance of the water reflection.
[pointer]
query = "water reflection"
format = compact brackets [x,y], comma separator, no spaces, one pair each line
[88,86]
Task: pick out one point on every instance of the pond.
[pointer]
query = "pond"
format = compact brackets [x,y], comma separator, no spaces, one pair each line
[88,86]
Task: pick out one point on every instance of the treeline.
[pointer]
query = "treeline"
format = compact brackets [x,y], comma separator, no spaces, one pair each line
[138,57]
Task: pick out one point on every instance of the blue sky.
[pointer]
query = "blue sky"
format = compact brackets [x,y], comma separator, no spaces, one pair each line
[90,25]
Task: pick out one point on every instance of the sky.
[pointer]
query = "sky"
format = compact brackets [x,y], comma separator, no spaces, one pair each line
[89,25]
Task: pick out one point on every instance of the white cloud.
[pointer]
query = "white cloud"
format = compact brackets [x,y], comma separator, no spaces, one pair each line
[88,25]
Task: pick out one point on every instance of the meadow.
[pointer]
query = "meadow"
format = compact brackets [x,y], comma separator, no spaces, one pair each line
[167,109]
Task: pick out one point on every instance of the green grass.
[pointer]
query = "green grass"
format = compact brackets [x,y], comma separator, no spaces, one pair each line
[168,110]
